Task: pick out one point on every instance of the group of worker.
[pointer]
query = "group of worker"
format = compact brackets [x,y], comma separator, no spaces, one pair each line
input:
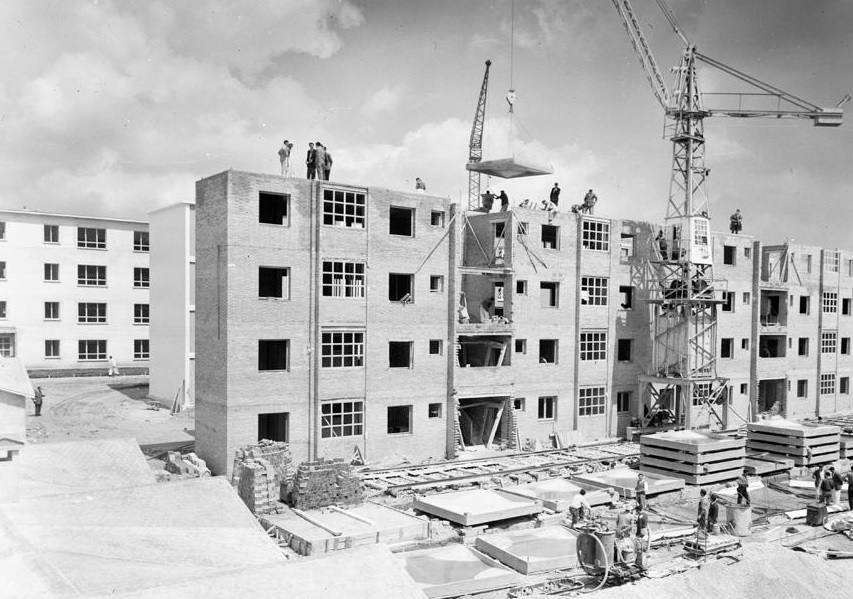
[828,484]
[318,160]
[550,205]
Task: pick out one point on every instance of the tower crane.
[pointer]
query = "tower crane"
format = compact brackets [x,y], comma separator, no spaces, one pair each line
[475,145]
[683,291]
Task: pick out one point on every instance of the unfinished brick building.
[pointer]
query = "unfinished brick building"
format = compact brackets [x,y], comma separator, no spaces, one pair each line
[342,318]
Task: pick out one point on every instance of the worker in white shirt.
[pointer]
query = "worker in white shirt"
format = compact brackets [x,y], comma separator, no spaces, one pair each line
[579,507]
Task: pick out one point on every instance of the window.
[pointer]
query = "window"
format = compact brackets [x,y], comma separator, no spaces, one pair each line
[744,343]
[341,418]
[623,401]
[844,385]
[274,282]
[400,354]
[51,310]
[593,345]
[831,260]
[400,287]
[51,272]
[436,283]
[89,350]
[3,309]
[591,401]
[498,228]
[140,314]
[519,404]
[830,302]
[342,349]
[88,313]
[91,238]
[273,354]
[522,230]
[91,275]
[141,278]
[550,237]
[807,260]
[594,291]
[548,351]
[2,231]
[845,306]
[436,347]
[802,388]
[747,298]
[626,297]
[340,279]
[272,208]
[51,233]
[828,342]
[399,420]
[140,241]
[549,294]
[434,410]
[803,346]
[521,287]
[827,383]
[436,218]
[623,350]
[595,235]
[804,304]
[51,348]
[727,348]
[626,247]
[850,268]
[521,346]
[701,393]
[729,252]
[274,427]
[141,349]
[728,301]
[343,208]
[845,346]
[401,221]
[744,388]
[747,253]
[547,408]
[7,346]
[2,270]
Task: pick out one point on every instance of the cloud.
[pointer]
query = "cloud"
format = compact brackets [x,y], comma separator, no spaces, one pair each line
[385,99]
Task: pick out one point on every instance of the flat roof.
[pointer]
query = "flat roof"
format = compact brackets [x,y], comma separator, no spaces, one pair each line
[76,216]
[173,205]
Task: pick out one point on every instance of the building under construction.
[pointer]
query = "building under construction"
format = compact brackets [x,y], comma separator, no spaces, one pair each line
[359,321]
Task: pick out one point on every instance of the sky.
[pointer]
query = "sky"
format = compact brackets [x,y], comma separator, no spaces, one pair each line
[116,108]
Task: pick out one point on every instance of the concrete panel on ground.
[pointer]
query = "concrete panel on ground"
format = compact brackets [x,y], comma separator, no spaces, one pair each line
[556,493]
[624,481]
[333,529]
[81,466]
[455,570]
[533,550]
[478,506]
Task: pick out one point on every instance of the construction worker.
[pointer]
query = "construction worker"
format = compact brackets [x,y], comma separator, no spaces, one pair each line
[113,369]
[742,488]
[504,201]
[284,157]
[736,222]
[661,241]
[555,194]
[589,201]
[817,475]
[837,483]
[579,507]
[38,399]
[640,491]
[420,185]
[642,523]
[702,510]
[311,161]
[849,480]
[826,488]
[320,161]
[488,201]
[713,513]
[624,521]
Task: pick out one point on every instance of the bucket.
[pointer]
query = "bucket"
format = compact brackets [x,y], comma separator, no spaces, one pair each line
[815,514]
[740,517]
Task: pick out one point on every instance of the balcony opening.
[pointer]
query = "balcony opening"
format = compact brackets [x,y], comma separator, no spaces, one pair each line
[401,221]
[400,288]
[729,253]
[484,420]
[548,351]
[771,346]
[400,354]
[774,309]
[771,396]
[272,208]
[484,351]
[550,237]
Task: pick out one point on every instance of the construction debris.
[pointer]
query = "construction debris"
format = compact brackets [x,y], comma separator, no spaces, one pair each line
[260,473]
[188,465]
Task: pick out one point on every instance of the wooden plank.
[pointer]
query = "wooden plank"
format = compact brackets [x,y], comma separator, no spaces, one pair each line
[495,427]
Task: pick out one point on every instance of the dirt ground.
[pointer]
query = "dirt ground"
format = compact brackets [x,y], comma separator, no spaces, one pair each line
[103,407]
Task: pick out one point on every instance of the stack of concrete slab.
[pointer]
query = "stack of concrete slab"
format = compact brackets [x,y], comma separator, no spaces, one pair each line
[478,506]
[804,443]
[557,493]
[533,550]
[696,457]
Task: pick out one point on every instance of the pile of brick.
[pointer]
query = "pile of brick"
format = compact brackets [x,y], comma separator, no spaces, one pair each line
[325,482]
[186,465]
[260,474]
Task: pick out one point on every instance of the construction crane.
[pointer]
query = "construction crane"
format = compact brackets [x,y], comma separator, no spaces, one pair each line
[475,145]
[683,291]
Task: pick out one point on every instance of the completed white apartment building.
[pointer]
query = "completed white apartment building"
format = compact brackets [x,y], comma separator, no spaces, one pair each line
[74,291]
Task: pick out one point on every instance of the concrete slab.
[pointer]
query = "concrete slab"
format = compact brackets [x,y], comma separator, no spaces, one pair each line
[509,168]
[556,493]
[692,442]
[81,466]
[534,550]
[678,467]
[624,480]
[791,428]
[365,524]
[697,479]
[477,506]
[455,570]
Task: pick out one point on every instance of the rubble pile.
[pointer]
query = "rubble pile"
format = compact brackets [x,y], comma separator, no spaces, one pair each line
[186,465]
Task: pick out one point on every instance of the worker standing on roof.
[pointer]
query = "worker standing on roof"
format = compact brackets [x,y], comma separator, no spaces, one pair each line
[640,491]
[736,222]
[420,185]
[310,161]
[589,201]
[555,194]
[488,201]
[504,201]
[320,161]
[38,399]
[284,157]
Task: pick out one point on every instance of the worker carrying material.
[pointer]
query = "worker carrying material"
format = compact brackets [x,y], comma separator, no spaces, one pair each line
[736,222]
[588,206]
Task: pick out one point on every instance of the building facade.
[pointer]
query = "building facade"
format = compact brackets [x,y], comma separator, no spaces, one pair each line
[350,320]
[73,291]
[172,373]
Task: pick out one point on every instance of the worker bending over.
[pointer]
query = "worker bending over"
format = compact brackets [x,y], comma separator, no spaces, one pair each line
[579,507]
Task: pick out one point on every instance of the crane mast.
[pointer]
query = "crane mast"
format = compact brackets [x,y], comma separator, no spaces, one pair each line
[475,145]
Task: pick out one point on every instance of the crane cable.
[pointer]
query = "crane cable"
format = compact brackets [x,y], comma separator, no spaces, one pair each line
[511,93]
